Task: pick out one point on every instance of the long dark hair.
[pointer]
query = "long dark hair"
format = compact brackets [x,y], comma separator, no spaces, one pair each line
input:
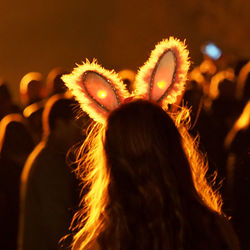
[147,186]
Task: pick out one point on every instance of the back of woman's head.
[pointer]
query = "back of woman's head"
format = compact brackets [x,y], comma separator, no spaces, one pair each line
[147,193]
[146,180]
[142,140]
[149,177]
[134,128]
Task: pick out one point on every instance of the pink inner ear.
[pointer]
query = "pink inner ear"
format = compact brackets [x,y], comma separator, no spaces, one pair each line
[100,90]
[163,76]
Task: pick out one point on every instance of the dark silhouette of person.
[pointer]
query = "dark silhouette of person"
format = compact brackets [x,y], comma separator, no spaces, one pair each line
[215,122]
[147,191]
[31,88]
[6,104]
[54,83]
[15,145]
[243,84]
[48,189]
[32,94]
[193,98]
[33,114]
[237,144]
[128,78]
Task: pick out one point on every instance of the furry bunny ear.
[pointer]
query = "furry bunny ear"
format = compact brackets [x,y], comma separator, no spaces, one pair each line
[98,91]
[162,78]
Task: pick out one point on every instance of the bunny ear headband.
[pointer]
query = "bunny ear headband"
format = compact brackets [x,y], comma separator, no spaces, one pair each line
[160,80]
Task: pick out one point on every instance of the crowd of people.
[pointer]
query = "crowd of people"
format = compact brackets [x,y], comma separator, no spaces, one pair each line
[40,193]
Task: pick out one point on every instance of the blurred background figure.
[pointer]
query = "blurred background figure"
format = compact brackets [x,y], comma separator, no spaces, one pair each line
[224,106]
[33,114]
[215,114]
[6,104]
[49,193]
[32,94]
[31,88]
[237,144]
[194,100]
[54,83]
[208,68]
[128,77]
[15,145]
[243,83]
[214,58]
[226,90]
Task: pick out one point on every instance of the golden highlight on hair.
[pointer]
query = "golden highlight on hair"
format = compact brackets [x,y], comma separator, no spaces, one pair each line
[90,219]
[197,161]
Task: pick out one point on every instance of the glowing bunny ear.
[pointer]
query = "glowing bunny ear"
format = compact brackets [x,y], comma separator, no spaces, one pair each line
[162,78]
[98,91]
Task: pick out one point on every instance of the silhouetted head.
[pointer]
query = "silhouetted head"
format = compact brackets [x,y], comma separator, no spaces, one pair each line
[128,78]
[54,83]
[4,92]
[150,177]
[6,105]
[142,142]
[15,141]
[193,96]
[59,120]
[33,114]
[146,182]
[31,88]
[227,89]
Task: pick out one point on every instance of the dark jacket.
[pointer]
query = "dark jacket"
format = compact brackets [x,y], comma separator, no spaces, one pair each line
[48,198]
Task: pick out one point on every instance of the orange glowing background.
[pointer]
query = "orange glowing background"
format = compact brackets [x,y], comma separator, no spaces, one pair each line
[40,35]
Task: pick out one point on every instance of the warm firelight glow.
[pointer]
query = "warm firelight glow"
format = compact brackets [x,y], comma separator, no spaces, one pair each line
[161,84]
[102,93]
